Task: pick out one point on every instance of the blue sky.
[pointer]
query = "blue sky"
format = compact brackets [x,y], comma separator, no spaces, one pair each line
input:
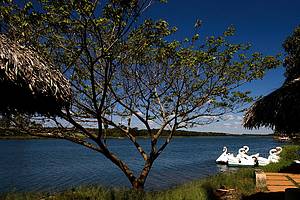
[263,23]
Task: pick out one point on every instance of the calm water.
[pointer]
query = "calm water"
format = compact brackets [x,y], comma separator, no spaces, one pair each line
[53,165]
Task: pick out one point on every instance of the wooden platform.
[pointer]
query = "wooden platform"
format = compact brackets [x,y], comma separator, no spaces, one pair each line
[278,182]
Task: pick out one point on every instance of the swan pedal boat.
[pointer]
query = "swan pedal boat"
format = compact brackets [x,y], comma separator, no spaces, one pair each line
[223,158]
[272,158]
[243,159]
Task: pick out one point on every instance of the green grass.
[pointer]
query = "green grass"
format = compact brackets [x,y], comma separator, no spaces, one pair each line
[242,180]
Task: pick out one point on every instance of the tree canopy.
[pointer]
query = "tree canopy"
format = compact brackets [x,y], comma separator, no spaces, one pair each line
[125,71]
[292,60]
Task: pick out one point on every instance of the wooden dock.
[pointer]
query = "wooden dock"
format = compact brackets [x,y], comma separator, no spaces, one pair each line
[277,182]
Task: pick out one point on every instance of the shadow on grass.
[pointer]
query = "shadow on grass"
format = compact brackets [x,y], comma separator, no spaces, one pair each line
[221,193]
[294,168]
[209,191]
[265,196]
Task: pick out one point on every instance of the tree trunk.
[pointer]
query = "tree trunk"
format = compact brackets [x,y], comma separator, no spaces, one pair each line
[138,184]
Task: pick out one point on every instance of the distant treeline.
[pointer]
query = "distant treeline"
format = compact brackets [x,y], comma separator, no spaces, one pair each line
[113,132]
[14,132]
[144,133]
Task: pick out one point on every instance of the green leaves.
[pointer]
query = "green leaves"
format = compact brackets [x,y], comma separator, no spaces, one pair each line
[195,37]
[230,31]
[101,21]
[28,6]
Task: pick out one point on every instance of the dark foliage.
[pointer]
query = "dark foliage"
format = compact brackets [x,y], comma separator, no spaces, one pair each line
[292,60]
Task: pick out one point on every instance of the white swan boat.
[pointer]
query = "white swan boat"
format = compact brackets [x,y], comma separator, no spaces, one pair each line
[272,158]
[223,158]
[242,159]
[246,149]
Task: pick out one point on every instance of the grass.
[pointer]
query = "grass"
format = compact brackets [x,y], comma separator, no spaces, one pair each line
[243,181]
[288,154]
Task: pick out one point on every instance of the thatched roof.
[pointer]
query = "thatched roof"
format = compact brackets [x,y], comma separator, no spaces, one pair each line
[279,110]
[29,84]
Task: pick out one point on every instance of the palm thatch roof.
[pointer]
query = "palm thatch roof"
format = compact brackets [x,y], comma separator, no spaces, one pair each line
[279,110]
[28,83]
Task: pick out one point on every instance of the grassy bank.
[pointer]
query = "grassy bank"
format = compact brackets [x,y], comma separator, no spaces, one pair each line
[242,181]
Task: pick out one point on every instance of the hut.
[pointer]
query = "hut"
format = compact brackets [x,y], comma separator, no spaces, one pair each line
[29,84]
[279,110]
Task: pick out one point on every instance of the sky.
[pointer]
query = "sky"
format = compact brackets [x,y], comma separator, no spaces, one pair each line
[263,23]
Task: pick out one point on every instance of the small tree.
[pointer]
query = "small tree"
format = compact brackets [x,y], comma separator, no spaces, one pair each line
[125,71]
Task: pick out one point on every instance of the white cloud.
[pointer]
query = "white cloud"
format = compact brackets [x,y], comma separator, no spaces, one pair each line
[232,126]
[151,122]
[139,113]
[239,118]
[229,117]
[227,124]
[210,117]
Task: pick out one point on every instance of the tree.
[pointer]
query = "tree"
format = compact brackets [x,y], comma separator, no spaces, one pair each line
[292,60]
[123,70]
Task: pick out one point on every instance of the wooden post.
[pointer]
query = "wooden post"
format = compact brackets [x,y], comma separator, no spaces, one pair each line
[260,178]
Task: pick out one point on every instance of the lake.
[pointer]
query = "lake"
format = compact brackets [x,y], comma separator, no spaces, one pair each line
[54,165]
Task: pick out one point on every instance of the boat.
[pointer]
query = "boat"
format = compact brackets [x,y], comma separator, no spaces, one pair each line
[275,155]
[246,150]
[284,138]
[223,158]
[242,159]
[272,158]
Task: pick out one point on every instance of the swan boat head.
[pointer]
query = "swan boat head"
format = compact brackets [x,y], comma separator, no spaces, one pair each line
[278,150]
[223,158]
[246,148]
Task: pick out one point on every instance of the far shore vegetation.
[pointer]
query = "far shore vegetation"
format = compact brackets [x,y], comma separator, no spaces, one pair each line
[239,184]
[15,133]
